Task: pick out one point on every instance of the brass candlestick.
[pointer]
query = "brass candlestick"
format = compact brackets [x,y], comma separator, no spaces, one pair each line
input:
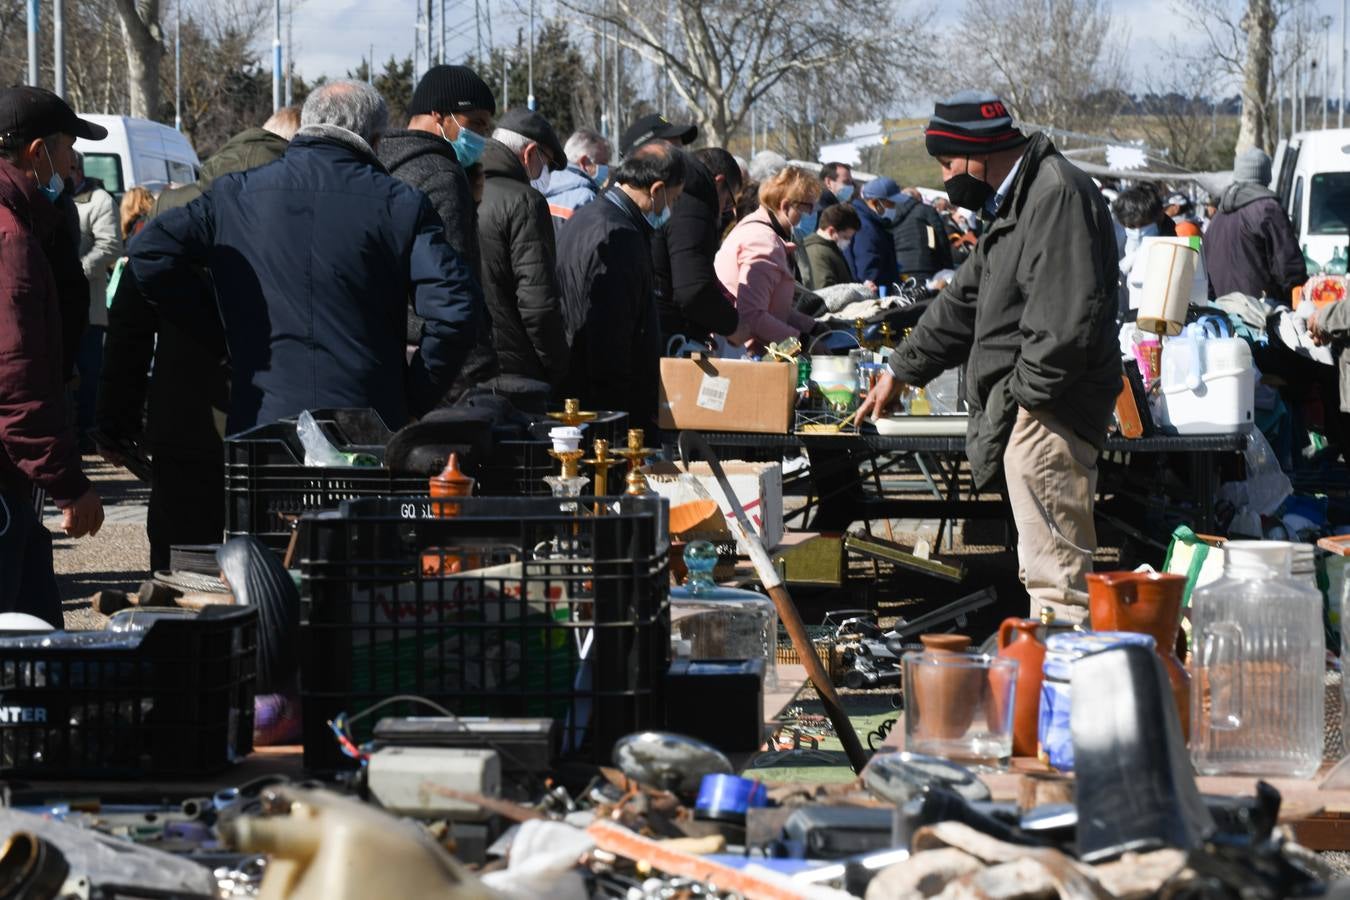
[887,335]
[602,463]
[635,453]
[637,483]
[572,414]
[570,460]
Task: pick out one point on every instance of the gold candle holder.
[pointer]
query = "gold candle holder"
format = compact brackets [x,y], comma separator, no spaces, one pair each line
[602,463]
[637,483]
[635,453]
[572,414]
[570,460]
[887,335]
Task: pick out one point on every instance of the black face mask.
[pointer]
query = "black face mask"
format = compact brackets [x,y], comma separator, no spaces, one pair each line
[968,191]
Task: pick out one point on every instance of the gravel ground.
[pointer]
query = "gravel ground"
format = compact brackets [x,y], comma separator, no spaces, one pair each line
[118,557]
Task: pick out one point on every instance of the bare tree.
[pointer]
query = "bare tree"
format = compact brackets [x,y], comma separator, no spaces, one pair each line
[145,49]
[1055,62]
[1183,124]
[723,56]
[1239,48]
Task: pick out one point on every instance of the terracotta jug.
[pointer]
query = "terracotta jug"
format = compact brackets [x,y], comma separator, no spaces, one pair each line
[945,696]
[1145,603]
[1017,639]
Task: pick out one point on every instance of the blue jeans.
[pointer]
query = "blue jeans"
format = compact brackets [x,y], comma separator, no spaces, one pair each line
[27,579]
[89,363]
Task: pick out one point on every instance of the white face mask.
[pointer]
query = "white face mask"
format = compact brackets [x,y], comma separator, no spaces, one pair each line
[540,182]
[843,244]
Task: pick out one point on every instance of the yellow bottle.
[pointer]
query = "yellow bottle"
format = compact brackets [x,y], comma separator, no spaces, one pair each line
[918,405]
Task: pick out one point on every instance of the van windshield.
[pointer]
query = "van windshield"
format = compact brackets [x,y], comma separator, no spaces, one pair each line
[107,168]
[1329,203]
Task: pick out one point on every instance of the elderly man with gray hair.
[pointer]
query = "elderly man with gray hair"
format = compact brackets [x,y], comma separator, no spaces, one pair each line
[586,174]
[313,260]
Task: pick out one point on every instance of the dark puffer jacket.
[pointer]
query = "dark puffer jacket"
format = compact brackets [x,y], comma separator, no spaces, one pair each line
[690,299]
[428,162]
[1251,247]
[871,256]
[921,245]
[515,231]
[314,259]
[1038,298]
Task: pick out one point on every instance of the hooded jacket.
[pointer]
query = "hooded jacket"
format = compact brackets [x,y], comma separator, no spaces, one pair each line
[314,259]
[921,245]
[568,191]
[871,256]
[1037,297]
[825,262]
[37,445]
[690,299]
[1251,247]
[754,265]
[248,149]
[520,285]
[609,309]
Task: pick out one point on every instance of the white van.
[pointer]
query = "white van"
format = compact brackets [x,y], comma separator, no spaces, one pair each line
[1312,177]
[137,152]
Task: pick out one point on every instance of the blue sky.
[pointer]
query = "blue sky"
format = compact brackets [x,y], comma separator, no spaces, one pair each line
[332,36]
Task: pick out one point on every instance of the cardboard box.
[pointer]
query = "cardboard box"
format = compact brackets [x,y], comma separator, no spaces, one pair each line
[758,485]
[727,395]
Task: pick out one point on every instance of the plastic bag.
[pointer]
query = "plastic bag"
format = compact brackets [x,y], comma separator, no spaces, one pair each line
[320,452]
[1267,485]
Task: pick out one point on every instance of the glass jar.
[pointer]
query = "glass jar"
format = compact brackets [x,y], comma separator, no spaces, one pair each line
[708,621]
[1257,666]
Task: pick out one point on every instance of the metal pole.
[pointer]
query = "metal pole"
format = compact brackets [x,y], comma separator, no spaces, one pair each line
[1326,67]
[59,47]
[1340,107]
[529,56]
[478,30]
[178,66]
[604,75]
[506,85]
[290,56]
[276,55]
[618,99]
[370,66]
[431,39]
[34,17]
[445,54]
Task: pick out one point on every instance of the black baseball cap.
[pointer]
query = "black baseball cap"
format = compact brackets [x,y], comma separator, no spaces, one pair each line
[535,127]
[27,113]
[654,126]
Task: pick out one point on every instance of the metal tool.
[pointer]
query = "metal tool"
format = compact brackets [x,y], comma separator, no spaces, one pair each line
[691,443]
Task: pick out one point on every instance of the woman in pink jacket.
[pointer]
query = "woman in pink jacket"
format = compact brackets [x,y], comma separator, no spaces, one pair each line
[755,262]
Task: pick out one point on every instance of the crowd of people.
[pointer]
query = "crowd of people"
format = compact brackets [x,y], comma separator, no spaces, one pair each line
[327,259]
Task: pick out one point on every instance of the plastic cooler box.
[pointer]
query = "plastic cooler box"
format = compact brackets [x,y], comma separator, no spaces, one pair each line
[1208,386]
[514,607]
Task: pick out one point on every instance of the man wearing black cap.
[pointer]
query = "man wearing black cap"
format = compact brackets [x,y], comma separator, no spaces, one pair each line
[38,451]
[1032,315]
[515,230]
[450,120]
[689,298]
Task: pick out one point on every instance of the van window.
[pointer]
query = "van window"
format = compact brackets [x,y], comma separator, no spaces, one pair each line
[107,168]
[1329,203]
[181,172]
[1298,206]
[1287,166]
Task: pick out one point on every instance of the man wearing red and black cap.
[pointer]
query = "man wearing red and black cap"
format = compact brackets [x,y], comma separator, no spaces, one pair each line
[1032,315]
[38,451]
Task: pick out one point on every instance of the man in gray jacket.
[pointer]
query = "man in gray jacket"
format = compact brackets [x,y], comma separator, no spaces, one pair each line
[100,245]
[1032,316]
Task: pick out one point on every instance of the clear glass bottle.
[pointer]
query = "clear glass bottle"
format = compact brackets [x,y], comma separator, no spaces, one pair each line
[708,621]
[1257,667]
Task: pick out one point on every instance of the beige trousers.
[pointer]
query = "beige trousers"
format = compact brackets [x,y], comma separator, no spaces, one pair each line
[1052,483]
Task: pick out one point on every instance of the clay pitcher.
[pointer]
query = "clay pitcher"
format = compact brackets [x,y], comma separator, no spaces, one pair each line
[946,697]
[1017,639]
[1145,603]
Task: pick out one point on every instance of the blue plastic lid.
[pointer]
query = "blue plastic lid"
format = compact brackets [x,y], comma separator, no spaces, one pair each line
[729,796]
[1062,649]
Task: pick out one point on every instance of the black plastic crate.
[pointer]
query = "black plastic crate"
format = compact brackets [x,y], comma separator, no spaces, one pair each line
[267,483]
[515,607]
[178,702]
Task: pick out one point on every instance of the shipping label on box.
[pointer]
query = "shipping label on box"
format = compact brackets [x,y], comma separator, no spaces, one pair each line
[727,395]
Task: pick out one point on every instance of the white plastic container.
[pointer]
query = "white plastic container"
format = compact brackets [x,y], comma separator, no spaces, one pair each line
[1208,386]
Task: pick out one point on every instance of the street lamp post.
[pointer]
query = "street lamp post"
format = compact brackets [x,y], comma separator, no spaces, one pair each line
[276,55]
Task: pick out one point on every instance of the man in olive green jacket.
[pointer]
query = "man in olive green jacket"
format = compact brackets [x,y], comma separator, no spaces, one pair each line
[1032,315]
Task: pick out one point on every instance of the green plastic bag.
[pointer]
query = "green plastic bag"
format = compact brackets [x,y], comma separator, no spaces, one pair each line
[1187,555]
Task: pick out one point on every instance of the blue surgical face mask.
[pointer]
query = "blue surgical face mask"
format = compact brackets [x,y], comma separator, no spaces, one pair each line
[844,194]
[891,214]
[54,186]
[658,220]
[601,174]
[807,225]
[468,145]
